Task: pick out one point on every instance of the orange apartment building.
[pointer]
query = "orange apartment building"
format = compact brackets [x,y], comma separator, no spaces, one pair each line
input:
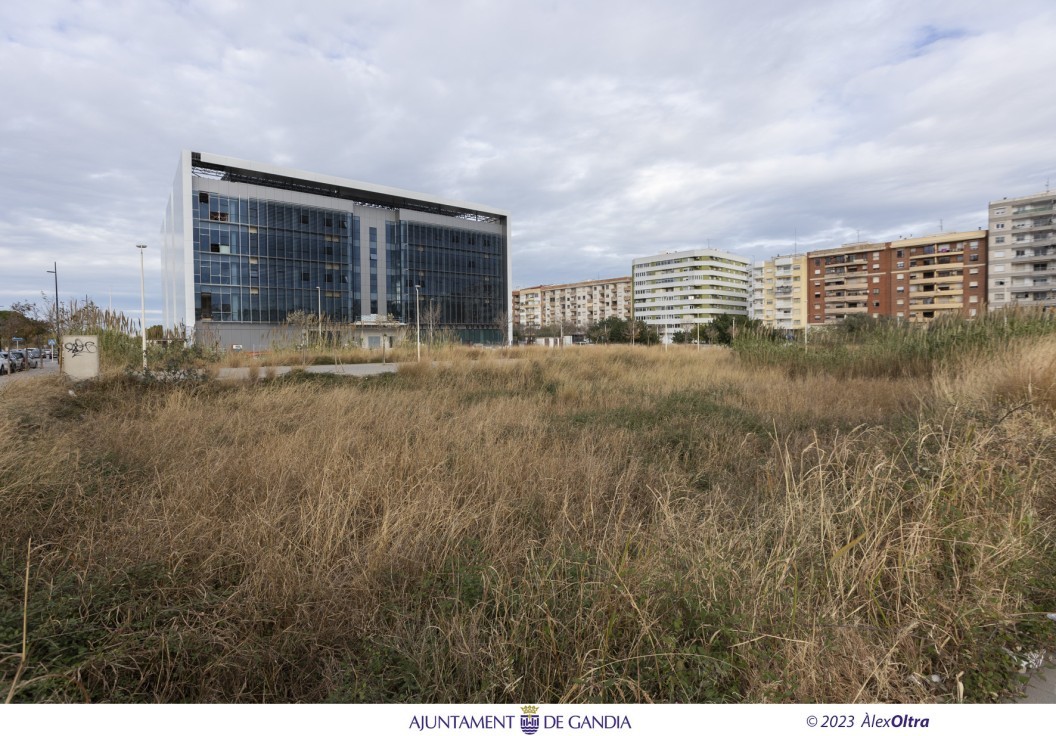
[915,279]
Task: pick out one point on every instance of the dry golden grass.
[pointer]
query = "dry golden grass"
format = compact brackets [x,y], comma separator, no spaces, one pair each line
[607,524]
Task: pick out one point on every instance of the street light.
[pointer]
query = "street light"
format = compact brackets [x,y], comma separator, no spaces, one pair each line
[143,302]
[58,337]
[418,321]
[319,310]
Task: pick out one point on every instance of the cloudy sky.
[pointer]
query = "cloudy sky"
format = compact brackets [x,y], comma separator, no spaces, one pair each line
[609,130]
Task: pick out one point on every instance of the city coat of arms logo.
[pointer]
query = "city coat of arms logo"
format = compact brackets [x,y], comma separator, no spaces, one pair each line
[529,719]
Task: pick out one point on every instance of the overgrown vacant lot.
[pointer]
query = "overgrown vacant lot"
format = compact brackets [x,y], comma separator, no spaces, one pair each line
[600,524]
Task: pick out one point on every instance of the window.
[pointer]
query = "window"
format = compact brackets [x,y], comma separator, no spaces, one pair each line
[901,277]
[876,265]
[999,239]
[973,299]
[817,271]
[876,291]
[998,268]
[876,256]
[305,276]
[971,312]
[973,284]
[973,271]
[998,254]
[999,211]
[900,289]
[900,302]
[899,253]
[973,257]
[304,219]
[203,197]
[999,226]
[876,279]
[876,304]
[974,245]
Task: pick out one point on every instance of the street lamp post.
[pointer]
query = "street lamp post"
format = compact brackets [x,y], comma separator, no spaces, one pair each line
[58,337]
[319,311]
[418,321]
[143,302]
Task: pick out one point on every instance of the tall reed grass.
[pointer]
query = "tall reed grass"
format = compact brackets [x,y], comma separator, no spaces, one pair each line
[607,524]
[891,349]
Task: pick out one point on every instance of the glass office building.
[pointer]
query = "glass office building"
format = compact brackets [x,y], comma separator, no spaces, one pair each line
[245,245]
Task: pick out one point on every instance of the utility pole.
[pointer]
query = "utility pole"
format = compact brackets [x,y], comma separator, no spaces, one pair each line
[143,302]
[58,329]
[418,321]
[319,311]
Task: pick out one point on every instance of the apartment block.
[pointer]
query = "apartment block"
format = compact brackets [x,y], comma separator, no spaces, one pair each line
[779,292]
[1022,252]
[675,291]
[915,279]
[755,306]
[940,274]
[582,303]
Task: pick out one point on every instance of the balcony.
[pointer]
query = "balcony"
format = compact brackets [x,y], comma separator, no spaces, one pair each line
[929,304]
[849,309]
[848,296]
[935,264]
[1028,288]
[923,278]
[1031,209]
[1046,254]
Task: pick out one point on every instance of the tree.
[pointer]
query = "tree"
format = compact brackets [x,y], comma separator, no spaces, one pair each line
[431,316]
[723,329]
[502,322]
[609,330]
[23,320]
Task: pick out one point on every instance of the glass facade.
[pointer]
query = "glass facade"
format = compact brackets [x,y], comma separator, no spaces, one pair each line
[461,270]
[257,261]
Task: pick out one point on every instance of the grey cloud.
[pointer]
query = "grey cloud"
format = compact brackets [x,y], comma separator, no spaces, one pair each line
[609,130]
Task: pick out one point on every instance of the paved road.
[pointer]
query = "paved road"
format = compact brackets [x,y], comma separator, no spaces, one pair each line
[1042,686]
[357,369]
[50,368]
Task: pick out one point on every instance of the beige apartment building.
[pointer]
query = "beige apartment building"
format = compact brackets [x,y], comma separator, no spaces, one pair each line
[582,304]
[779,294]
[1023,252]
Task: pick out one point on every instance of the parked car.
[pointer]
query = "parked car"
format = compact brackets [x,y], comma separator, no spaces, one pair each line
[7,366]
[35,356]
[20,359]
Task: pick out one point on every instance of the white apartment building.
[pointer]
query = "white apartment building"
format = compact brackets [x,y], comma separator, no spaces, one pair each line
[582,303]
[1022,268]
[674,291]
